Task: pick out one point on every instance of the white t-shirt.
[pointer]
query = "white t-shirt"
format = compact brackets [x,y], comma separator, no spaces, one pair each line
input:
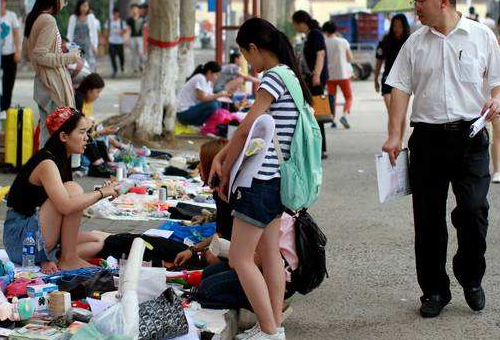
[115,31]
[188,96]
[336,51]
[10,19]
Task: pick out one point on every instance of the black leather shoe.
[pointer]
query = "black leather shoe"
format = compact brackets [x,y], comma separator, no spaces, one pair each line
[475,298]
[432,305]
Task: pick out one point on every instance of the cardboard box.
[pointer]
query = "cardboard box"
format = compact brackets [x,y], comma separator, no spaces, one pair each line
[40,295]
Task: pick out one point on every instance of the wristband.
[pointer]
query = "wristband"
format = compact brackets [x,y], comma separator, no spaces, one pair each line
[100,191]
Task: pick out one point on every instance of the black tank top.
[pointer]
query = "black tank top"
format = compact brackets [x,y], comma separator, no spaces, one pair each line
[24,197]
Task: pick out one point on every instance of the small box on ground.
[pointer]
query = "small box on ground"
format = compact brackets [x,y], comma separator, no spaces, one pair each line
[40,295]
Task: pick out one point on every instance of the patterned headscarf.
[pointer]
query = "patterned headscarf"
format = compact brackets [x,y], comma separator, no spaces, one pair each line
[57,118]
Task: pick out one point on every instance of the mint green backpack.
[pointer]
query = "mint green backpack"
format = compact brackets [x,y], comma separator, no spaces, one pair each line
[302,173]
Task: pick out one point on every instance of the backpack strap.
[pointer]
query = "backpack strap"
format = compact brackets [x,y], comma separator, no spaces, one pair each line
[293,86]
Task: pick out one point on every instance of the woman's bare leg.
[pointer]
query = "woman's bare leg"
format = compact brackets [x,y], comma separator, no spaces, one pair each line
[50,224]
[387,101]
[244,242]
[69,234]
[90,244]
[273,268]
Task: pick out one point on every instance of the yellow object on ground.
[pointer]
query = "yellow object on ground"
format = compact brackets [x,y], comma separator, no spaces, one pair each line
[4,191]
[180,129]
[19,136]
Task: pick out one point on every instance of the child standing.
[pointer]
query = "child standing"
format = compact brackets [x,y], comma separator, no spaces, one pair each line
[257,210]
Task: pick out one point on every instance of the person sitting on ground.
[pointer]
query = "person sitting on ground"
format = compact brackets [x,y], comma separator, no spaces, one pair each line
[231,76]
[97,149]
[220,286]
[44,201]
[224,220]
[196,101]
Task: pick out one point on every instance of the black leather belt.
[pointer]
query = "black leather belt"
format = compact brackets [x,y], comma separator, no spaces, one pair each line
[453,126]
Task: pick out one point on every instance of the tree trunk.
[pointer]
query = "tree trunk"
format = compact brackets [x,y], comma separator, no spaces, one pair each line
[186,53]
[155,109]
[269,11]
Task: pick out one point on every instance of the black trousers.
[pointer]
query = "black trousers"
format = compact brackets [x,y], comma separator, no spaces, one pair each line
[116,50]
[9,67]
[439,158]
[96,150]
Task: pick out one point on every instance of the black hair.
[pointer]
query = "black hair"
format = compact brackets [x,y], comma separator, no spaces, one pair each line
[39,7]
[329,27]
[90,82]
[233,56]
[116,10]
[391,37]
[211,66]
[265,36]
[304,17]
[58,149]
[144,6]
[134,5]
[79,4]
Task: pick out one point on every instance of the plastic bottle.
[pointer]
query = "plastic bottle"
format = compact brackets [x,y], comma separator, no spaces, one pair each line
[29,250]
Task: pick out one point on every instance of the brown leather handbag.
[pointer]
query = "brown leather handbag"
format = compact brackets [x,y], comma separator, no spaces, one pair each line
[322,110]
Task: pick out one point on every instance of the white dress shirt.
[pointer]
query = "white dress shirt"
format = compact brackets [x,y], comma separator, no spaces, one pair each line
[450,76]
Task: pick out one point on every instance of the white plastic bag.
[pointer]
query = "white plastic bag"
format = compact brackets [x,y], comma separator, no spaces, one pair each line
[123,318]
[151,283]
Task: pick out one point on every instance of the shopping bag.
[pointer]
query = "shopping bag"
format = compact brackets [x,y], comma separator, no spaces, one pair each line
[322,110]
[162,318]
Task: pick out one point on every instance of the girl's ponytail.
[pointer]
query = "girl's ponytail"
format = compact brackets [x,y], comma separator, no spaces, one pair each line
[211,66]
[286,55]
[265,36]
[199,69]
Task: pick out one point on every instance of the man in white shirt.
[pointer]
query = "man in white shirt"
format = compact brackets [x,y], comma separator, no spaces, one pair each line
[452,67]
[11,54]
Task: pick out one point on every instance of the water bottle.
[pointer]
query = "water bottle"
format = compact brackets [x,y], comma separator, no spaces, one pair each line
[29,249]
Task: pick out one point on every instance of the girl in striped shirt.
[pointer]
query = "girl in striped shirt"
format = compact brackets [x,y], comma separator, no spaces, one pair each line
[257,210]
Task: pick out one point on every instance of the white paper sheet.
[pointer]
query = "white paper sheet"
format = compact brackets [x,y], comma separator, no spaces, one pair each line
[159,233]
[245,168]
[98,306]
[393,182]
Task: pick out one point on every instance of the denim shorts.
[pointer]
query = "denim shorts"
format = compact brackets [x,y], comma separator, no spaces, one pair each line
[15,229]
[260,204]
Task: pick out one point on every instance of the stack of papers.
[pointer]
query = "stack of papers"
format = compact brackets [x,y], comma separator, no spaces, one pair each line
[393,182]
